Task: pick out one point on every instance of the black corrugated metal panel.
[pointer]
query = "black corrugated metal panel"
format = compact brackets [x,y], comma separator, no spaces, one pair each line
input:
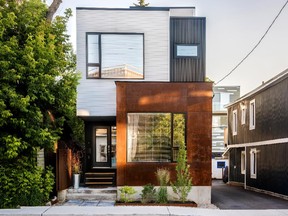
[188,31]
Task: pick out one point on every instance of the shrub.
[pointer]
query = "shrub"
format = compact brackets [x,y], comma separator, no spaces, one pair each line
[24,185]
[148,193]
[183,183]
[163,177]
[125,194]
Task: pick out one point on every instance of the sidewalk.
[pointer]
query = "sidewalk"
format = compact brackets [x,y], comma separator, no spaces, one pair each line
[138,211]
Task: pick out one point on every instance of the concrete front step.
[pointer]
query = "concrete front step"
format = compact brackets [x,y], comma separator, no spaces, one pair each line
[92,194]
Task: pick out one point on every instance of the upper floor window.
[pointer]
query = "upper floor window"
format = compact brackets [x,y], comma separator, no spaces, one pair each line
[252,116]
[243,115]
[115,56]
[234,122]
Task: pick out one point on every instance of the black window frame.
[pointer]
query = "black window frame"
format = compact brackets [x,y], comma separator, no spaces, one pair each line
[100,54]
[172,136]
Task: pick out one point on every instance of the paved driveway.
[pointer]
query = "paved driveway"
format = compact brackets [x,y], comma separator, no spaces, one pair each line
[235,197]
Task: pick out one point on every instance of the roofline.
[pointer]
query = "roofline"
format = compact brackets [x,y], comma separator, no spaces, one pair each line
[135,8]
[264,86]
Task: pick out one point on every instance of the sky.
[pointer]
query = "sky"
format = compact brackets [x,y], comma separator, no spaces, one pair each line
[233,28]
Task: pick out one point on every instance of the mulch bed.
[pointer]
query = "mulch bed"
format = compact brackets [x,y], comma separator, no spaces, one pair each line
[175,203]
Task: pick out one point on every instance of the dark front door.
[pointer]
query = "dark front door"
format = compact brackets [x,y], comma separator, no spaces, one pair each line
[104,145]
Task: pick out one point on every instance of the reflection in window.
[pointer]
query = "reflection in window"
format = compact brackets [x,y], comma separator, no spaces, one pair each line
[153,137]
[121,56]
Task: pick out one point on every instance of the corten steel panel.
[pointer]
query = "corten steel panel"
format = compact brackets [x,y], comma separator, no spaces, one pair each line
[193,99]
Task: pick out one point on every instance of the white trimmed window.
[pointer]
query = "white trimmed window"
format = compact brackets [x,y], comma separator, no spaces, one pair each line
[253,163]
[243,165]
[252,115]
[243,115]
[234,122]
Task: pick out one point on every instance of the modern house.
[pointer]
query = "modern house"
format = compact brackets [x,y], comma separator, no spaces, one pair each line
[143,92]
[258,138]
[223,95]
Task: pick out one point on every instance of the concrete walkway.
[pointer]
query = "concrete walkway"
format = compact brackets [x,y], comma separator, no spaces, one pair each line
[138,211]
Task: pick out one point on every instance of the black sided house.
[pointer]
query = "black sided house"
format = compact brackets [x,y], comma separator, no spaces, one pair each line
[258,138]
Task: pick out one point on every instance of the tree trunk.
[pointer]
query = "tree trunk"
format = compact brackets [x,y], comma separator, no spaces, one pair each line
[52,9]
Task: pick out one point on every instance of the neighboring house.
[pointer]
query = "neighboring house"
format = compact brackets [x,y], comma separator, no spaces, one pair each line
[258,138]
[223,95]
[142,92]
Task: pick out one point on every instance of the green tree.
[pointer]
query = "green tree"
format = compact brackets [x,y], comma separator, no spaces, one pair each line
[37,83]
[141,3]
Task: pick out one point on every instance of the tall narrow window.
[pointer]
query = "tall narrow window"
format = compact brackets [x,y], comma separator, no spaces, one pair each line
[243,115]
[93,52]
[253,163]
[252,116]
[234,122]
[243,165]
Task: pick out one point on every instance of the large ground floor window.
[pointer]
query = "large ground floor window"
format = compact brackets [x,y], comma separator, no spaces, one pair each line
[154,137]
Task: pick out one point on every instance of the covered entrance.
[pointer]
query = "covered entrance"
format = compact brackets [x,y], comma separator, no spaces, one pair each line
[100,155]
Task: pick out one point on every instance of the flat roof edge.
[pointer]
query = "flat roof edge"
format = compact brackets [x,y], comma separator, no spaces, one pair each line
[135,8]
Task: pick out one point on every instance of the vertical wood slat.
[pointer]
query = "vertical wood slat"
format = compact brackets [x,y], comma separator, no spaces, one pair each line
[64,169]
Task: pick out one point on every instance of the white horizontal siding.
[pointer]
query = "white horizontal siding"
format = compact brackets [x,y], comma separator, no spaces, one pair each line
[97,97]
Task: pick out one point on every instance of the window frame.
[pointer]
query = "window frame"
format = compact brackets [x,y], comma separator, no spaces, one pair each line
[243,162]
[243,115]
[252,115]
[234,122]
[99,65]
[172,135]
[253,163]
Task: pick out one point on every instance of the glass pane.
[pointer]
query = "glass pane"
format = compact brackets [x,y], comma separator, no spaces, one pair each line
[101,145]
[178,129]
[149,137]
[93,72]
[122,56]
[93,48]
[113,146]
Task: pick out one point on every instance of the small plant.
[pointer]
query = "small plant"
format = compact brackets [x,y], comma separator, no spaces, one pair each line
[76,162]
[163,177]
[183,183]
[125,194]
[148,193]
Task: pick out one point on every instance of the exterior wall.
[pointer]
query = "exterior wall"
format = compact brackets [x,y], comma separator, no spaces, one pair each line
[272,166]
[271,116]
[188,31]
[235,174]
[97,97]
[194,99]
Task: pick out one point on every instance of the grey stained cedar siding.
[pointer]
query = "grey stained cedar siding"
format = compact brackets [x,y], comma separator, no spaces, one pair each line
[271,115]
[235,165]
[272,168]
[271,104]
[188,31]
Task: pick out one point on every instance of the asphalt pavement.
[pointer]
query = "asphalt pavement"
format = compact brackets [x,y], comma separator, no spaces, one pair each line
[235,197]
